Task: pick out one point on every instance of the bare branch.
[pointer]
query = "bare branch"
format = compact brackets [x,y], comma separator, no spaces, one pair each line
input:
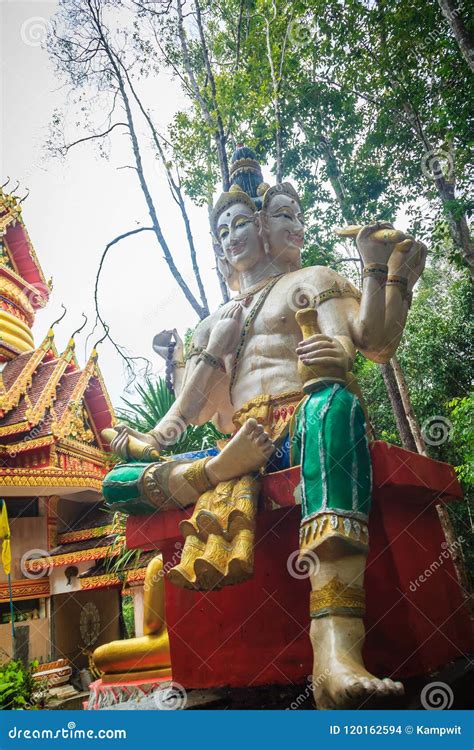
[64,149]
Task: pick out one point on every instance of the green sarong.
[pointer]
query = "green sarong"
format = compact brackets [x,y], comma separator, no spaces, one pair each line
[330,442]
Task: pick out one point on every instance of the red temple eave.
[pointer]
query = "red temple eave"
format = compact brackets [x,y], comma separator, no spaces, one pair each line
[25,260]
[99,405]
[37,294]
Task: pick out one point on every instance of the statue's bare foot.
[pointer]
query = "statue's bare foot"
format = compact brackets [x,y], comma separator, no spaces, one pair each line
[248,451]
[340,679]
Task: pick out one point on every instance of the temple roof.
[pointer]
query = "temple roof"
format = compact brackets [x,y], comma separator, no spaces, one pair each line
[43,393]
[21,257]
[52,413]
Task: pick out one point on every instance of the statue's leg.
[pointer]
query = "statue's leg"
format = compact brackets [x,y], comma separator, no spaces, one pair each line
[177,483]
[331,445]
[185,481]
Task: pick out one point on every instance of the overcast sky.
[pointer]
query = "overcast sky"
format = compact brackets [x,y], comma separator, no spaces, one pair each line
[76,207]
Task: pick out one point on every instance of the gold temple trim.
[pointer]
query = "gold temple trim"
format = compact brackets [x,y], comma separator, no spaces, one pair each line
[68,558]
[27,589]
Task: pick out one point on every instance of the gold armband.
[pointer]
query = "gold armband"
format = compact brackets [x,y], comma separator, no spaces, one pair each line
[209,359]
[378,271]
[196,475]
[337,598]
[194,351]
[336,291]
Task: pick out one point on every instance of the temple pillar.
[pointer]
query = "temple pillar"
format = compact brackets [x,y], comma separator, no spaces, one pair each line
[138,609]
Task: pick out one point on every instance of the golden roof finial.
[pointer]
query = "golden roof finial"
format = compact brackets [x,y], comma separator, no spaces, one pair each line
[60,318]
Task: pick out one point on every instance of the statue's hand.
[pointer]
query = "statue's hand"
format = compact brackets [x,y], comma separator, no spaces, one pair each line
[372,248]
[408,260]
[324,350]
[119,444]
[162,341]
[226,332]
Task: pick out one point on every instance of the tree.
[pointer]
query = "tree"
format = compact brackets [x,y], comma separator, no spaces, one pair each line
[100,64]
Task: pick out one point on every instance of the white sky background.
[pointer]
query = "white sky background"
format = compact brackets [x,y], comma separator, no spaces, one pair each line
[77,206]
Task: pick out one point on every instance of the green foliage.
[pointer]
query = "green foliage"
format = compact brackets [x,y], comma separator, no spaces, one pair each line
[461,413]
[128,616]
[155,400]
[16,685]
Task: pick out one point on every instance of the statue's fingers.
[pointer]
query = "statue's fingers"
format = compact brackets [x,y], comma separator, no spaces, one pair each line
[317,346]
[374,227]
[317,356]
[405,245]
[314,338]
[120,444]
[237,311]
[423,256]
[320,360]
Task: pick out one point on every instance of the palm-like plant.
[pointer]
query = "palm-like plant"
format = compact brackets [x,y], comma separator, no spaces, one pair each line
[155,401]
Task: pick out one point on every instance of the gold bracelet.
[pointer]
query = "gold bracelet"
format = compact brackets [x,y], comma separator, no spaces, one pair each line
[196,475]
[337,598]
[209,359]
[378,271]
[400,281]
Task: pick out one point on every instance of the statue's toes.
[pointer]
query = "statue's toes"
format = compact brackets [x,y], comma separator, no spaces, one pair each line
[394,688]
[355,689]
[250,426]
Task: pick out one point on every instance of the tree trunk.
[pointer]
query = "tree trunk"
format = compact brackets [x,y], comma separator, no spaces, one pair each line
[113,59]
[177,194]
[401,419]
[276,84]
[219,133]
[454,546]
[458,226]
[461,34]
[407,406]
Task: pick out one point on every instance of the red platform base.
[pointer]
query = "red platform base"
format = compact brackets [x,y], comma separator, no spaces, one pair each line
[256,633]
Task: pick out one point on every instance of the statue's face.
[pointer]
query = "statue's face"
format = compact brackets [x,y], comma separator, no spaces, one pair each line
[239,236]
[283,226]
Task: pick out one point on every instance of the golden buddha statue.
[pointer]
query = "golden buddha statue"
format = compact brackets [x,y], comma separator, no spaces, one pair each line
[148,656]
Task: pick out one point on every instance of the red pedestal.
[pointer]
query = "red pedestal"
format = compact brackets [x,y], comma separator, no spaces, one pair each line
[256,633]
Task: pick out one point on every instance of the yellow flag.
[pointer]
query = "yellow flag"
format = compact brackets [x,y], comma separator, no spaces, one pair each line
[5,537]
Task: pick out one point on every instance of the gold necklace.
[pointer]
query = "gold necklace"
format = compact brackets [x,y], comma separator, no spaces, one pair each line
[245,330]
[248,296]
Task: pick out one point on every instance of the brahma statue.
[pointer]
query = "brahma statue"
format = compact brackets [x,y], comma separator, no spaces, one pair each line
[272,367]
